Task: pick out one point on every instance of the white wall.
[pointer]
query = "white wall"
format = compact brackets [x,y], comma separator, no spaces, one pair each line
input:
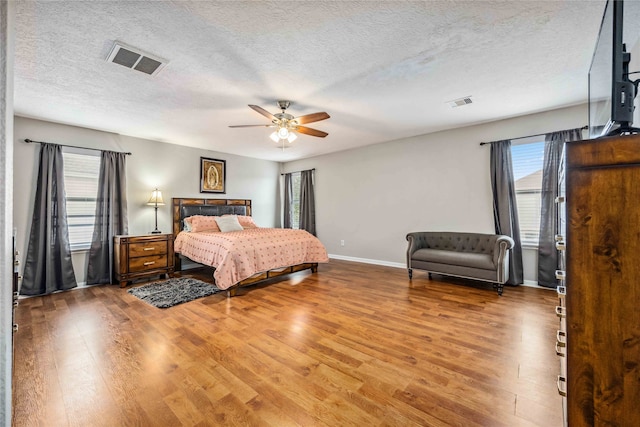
[173,169]
[6,214]
[371,197]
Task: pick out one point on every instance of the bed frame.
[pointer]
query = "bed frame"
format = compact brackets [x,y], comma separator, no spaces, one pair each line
[182,208]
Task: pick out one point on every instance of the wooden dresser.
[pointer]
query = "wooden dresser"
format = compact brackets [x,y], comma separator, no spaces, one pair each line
[603,282]
[143,256]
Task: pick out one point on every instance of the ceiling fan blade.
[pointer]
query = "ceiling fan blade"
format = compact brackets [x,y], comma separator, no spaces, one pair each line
[309,131]
[310,118]
[264,112]
[251,126]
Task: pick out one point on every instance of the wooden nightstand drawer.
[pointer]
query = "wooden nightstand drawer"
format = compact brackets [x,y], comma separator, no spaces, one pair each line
[139,257]
[148,249]
[147,263]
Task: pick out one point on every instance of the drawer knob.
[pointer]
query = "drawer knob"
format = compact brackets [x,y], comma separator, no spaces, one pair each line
[149,263]
[562,290]
[560,199]
[148,249]
[561,275]
[561,246]
[561,311]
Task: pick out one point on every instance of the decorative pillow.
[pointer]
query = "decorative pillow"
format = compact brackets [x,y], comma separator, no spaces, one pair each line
[187,224]
[203,223]
[246,222]
[228,223]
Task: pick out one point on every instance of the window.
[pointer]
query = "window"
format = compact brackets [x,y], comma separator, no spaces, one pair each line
[296,178]
[81,173]
[528,160]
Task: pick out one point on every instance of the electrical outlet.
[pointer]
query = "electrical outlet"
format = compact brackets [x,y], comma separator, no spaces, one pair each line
[341,242]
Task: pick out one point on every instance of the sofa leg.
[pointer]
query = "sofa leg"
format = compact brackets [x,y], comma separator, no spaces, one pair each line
[429,275]
[410,273]
[498,287]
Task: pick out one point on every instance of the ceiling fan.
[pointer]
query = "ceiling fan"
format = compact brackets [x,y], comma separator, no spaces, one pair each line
[287,124]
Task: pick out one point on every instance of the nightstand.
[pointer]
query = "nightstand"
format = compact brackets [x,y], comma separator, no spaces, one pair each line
[137,257]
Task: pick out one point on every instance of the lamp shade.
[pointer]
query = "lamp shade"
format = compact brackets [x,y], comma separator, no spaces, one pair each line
[156,198]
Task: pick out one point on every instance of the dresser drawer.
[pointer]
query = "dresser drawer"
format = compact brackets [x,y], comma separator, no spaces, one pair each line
[148,249]
[147,263]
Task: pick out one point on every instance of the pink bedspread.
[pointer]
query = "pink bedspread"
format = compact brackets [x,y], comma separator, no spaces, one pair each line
[237,255]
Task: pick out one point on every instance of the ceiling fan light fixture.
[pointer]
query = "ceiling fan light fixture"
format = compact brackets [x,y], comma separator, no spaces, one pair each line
[292,137]
[283,133]
[274,137]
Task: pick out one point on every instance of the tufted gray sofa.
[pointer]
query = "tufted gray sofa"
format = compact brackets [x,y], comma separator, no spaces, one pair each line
[468,255]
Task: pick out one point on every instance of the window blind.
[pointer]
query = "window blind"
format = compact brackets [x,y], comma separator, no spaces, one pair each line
[527,171]
[81,173]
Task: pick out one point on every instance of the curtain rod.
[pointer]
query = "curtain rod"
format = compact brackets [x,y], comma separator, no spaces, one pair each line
[530,136]
[298,171]
[29,141]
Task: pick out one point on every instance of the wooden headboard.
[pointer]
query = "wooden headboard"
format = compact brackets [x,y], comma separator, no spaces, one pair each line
[182,208]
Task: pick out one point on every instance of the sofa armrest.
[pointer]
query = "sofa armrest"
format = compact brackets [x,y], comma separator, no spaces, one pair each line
[501,256]
[417,240]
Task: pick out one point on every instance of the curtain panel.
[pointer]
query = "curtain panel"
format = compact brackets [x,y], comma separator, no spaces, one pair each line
[548,259]
[48,265]
[110,218]
[288,198]
[307,202]
[505,211]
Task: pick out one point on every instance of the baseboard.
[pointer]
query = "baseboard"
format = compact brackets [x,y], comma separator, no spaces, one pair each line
[531,283]
[369,261]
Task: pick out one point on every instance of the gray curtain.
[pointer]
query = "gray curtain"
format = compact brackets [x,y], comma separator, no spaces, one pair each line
[288,197]
[48,265]
[549,215]
[505,211]
[111,216]
[307,202]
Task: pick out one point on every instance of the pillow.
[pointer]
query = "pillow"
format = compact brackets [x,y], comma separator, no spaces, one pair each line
[228,223]
[202,223]
[246,222]
[187,224]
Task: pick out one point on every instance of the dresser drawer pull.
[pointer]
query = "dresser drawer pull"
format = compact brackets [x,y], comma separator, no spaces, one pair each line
[561,246]
[562,390]
[560,199]
[149,263]
[561,311]
[561,338]
[559,237]
[562,290]
[560,350]
[148,249]
[561,275]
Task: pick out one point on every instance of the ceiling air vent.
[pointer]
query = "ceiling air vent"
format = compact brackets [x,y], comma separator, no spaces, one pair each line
[460,102]
[135,59]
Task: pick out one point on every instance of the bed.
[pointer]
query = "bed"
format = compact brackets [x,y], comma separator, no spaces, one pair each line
[241,258]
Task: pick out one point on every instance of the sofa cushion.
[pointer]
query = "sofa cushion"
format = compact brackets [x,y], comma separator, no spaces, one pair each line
[467,259]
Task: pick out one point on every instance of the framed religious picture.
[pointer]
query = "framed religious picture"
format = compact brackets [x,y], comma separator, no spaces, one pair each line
[213,174]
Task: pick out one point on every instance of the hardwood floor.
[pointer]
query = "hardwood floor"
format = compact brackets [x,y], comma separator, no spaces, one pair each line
[353,345]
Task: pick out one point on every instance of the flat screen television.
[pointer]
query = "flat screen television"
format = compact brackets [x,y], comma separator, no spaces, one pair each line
[611,91]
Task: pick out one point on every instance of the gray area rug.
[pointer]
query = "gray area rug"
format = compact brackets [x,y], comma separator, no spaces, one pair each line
[173,291]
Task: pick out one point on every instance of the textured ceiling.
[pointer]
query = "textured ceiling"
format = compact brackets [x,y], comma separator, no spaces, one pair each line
[383,70]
